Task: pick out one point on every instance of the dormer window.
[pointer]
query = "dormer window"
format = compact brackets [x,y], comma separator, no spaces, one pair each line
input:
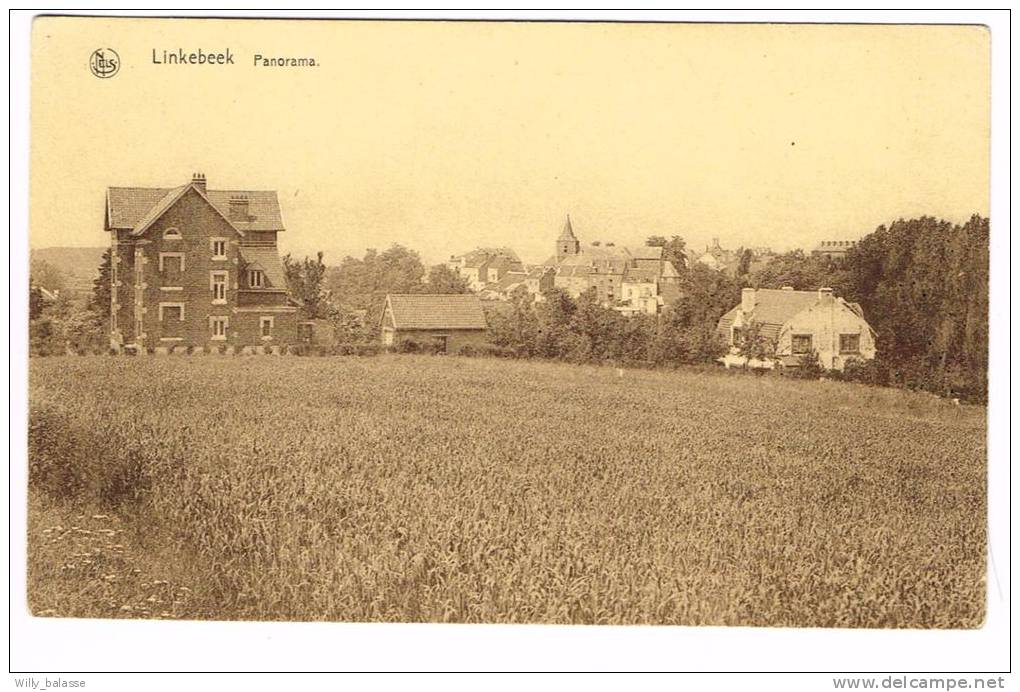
[256,278]
[172,234]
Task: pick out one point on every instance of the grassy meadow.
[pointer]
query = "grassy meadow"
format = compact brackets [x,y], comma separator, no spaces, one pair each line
[446,489]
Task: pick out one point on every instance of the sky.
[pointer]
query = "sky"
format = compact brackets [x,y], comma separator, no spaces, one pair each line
[446,136]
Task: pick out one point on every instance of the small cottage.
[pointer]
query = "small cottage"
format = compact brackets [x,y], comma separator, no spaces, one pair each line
[799,323]
[447,321]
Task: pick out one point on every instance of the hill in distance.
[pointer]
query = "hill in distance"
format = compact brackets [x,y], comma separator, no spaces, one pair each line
[78,266]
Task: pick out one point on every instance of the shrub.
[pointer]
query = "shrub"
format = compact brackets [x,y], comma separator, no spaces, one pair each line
[368,348]
[867,372]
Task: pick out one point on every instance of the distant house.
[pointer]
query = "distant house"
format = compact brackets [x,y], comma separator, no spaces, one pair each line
[799,323]
[485,265]
[451,321]
[608,267]
[197,267]
[720,259]
[833,249]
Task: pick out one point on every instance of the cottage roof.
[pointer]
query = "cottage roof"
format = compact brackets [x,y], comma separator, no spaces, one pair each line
[130,208]
[772,309]
[428,311]
[266,259]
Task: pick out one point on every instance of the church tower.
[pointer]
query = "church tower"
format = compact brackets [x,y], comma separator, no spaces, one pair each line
[567,243]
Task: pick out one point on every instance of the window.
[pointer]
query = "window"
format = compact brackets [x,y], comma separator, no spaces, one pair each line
[218,326]
[171,234]
[219,248]
[849,343]
[171,312]
[171,262]
[800,344]
[266,327]
[218,284]
[255,278]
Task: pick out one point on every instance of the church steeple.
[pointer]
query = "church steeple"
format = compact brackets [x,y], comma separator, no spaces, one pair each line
[567,243]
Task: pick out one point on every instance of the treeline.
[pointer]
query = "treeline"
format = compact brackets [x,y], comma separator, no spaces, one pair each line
[59,322]
[351,294]
[583,331]
[923,284]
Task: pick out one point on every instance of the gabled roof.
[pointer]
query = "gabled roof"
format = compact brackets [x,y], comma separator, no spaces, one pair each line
[266,259]
[431,311]
[772,309]
[646,252]
[669,271]
[776,306]
[575,270]
[509,280]
[634,274]
[131,208]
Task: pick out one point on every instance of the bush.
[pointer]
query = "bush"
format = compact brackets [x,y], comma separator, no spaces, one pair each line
[867,372]
[370,348]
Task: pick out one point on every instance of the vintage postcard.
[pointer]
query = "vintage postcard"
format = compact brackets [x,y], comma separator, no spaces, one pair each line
[600,323]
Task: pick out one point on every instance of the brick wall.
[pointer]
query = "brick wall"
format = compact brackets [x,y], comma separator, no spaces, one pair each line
[184,278]
[455,339]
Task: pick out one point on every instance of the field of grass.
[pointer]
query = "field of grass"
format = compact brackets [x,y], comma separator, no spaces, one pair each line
[417,488]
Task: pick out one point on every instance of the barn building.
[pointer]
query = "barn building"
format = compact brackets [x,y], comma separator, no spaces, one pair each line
[799,323]
[194,267]
[449,321]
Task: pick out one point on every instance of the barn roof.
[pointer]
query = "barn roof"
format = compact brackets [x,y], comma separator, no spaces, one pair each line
[429,311]
[130,208]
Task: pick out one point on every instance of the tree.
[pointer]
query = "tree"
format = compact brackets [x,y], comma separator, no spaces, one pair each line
[35,303]
[801,271]
[746,257]
[443,279]
[46,275]
[675,251]
[753,344]
[306,282]
[99,301]
[362,284]
[923,285]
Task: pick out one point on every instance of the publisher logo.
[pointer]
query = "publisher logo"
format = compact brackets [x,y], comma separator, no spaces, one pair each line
[104,63]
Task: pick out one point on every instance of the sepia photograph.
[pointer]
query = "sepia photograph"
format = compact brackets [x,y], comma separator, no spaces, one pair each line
[590,323]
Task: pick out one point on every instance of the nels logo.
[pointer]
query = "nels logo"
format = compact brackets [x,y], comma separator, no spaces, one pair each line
[104,63]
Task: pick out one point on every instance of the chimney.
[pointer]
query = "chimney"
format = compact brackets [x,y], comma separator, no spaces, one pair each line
[825,295]
[747,300]
[238,208]
[198,180]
